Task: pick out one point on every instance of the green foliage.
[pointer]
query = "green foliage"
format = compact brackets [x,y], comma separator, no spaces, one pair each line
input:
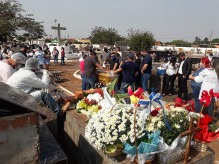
[180,43]
[216,40]
[101,35]
[205,41]
[77,42]
[211,46]
[111,86]
[119,96]
[212,127]
[199,41]
[22,38]
[12,21]
[138,40]
[48,41]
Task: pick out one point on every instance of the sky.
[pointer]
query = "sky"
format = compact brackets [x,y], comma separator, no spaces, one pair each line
[167,19]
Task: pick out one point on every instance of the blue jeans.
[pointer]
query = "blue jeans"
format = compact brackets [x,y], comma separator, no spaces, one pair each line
[55,59]
[92,80]
[41,66]
[62,60]
[124,87]
[144,80]
[210,108]
[51,103]
[196,91]
[85,84]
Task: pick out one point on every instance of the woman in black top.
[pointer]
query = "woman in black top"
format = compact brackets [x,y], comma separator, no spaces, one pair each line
[138,77]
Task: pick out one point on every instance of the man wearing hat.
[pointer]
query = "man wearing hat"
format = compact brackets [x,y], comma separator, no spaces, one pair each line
[9,66]
[130,70]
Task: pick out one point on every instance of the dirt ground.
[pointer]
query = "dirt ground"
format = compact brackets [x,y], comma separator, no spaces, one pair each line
[73,84]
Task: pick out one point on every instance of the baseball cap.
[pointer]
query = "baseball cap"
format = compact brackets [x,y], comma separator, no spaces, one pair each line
[131,56]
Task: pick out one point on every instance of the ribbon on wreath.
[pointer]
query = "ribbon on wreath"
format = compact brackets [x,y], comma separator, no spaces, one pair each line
[204,134]
[153,99]
[188,105]
[206,97]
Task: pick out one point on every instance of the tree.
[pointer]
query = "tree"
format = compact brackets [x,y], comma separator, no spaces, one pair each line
[205,41]
[180,43]
[197,40]
[22,38]
[48,41]
[216,40]
[12,21]
[139,40]
[101,35]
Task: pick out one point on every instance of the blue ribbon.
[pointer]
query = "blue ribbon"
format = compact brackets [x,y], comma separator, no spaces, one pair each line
[156,97]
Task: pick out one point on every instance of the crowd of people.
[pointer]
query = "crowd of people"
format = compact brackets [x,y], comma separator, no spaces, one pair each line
[19,70]
[42,53]
[135,71]
[23,69]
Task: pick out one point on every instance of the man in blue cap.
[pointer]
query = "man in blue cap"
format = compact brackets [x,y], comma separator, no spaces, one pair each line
[130,70]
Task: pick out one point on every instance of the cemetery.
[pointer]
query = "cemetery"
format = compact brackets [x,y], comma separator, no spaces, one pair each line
[106,98]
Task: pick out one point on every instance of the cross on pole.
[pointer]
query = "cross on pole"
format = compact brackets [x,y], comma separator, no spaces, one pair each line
[59,32]
[189,133]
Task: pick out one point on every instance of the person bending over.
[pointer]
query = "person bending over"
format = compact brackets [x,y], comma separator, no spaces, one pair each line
[26,80]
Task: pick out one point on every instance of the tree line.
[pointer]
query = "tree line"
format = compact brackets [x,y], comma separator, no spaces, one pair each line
[12,20]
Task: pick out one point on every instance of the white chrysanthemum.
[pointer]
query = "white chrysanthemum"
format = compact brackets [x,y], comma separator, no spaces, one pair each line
[95,96]
[177,126]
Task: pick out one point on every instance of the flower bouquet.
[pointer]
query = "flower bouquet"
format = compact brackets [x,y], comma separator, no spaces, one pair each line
[207,133]
[147,147]
[108,130]
[171,142]
[89,105]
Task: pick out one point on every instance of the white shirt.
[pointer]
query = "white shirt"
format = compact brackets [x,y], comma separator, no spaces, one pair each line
[27,81]
[6,71]
[209,80]
[180,68]
[39,55]
[170,70]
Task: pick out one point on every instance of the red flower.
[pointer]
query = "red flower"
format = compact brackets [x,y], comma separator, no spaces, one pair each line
[189,105]
[99,91]
[154,113]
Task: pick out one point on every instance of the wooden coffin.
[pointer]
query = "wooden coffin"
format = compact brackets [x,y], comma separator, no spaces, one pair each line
[106,78]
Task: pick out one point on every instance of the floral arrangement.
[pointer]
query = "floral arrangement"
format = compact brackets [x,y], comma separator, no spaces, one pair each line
[107,131]
[147,146]
[89,105]
[177,117]
[207,132]
[188,105]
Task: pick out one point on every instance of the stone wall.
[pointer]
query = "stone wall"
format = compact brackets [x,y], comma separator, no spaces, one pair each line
[19,139]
